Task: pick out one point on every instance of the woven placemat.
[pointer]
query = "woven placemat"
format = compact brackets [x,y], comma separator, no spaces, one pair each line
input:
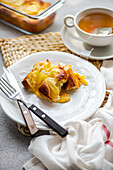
[16,48]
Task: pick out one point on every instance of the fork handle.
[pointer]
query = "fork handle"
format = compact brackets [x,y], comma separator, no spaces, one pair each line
[49,121]
[28,119]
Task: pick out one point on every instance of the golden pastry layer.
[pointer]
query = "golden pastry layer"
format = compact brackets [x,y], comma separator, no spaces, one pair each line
[31,7]
[51,81]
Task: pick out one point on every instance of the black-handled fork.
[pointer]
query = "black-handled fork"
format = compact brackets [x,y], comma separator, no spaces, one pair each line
[13,94]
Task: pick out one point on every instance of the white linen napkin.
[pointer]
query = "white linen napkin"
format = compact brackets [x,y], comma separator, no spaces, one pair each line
[89,144]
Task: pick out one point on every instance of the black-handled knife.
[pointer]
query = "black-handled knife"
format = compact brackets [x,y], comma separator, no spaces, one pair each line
[45,118]
[49,121]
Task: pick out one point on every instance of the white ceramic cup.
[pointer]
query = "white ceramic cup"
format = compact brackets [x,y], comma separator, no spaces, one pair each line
[92,39]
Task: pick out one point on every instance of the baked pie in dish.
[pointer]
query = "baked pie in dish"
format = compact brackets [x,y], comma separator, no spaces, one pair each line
[30,7]
[52,81]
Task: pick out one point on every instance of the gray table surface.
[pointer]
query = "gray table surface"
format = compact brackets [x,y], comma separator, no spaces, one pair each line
[13,145]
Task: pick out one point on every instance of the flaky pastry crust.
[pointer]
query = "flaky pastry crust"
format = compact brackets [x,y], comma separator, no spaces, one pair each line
[51,81]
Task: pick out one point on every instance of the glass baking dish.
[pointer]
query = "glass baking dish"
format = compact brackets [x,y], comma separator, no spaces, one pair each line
[26,23]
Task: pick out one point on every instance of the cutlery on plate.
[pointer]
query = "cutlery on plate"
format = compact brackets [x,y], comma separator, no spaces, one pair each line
[24,110]
[103,31]
[14,94]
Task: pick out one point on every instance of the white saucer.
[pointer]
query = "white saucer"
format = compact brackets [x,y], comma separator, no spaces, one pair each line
[71,40]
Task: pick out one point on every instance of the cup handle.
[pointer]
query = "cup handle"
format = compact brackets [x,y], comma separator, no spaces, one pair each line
[69,24]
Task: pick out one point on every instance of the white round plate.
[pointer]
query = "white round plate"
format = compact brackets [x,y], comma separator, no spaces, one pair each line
[71,40]
[84,101]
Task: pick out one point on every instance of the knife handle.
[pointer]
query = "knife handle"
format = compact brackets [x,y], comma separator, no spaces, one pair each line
[28,119]
[49,121]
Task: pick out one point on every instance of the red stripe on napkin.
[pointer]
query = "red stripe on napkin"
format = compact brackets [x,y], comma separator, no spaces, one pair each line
[106,131]
[108,135]
[109,143]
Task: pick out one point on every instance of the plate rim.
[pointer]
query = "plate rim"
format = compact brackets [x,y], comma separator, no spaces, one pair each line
[85,57]
[73,56]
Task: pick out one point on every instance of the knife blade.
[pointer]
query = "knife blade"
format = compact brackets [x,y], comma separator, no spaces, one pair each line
[43,116]
[24,110]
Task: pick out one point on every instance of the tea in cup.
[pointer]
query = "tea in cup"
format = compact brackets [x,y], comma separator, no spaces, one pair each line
[88,20]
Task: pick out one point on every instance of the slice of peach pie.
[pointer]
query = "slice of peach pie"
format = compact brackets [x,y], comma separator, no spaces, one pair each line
[51,82]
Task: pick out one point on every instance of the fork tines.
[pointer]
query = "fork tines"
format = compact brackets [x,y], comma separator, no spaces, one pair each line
[6,88]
